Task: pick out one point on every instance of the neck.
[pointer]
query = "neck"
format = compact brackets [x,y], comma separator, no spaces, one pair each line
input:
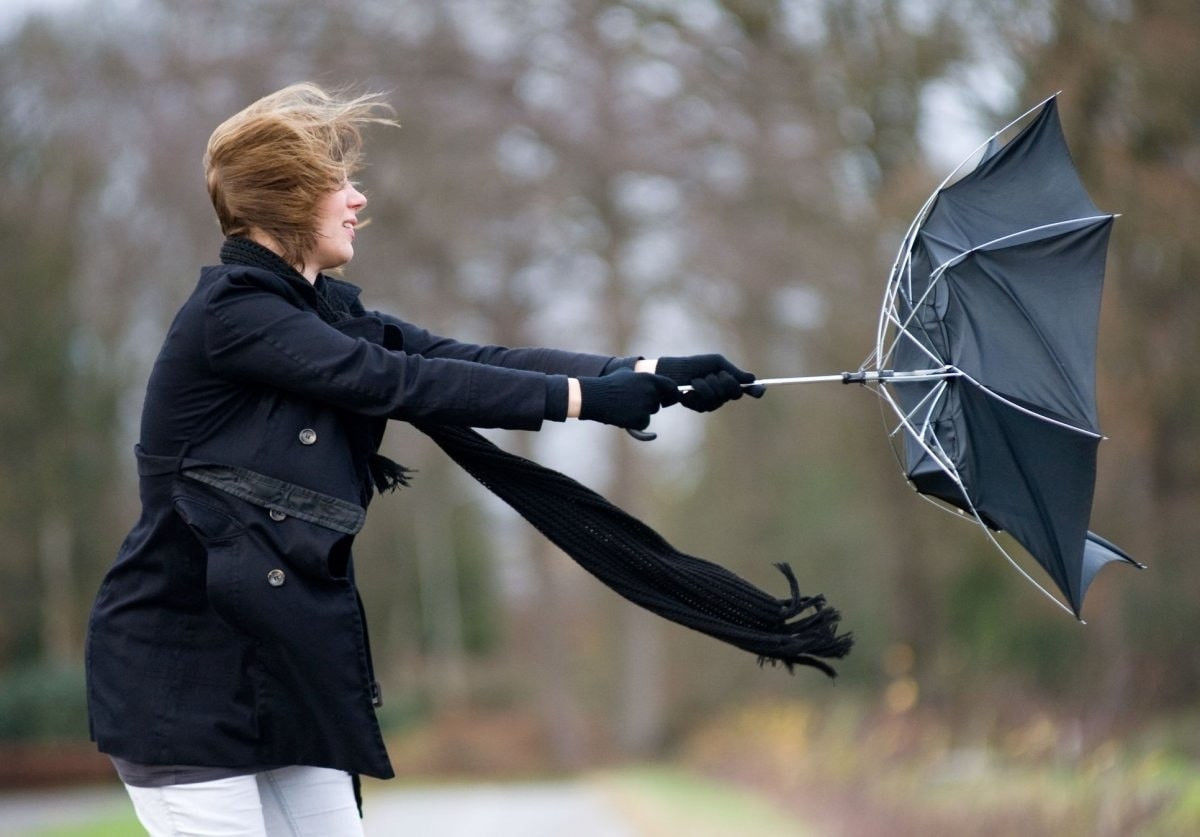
[306,270]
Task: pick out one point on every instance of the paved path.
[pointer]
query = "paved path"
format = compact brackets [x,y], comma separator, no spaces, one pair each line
[512,810]
[29,812]
[549,809]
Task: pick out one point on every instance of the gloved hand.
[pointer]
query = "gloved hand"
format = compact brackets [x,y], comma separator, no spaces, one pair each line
[713,379]
[625,398]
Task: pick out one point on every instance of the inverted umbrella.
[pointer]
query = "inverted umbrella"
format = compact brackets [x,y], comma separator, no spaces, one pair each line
[985,351]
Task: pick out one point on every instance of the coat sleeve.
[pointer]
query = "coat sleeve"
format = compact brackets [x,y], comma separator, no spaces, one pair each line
[254,335]
[549,361]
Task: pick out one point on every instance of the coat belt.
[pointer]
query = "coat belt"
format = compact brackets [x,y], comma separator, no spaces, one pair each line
[260,489]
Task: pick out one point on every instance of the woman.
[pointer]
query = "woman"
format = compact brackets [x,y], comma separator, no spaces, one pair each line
[229,671]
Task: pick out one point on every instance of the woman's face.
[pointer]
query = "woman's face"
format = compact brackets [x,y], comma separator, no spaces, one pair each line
[337,216]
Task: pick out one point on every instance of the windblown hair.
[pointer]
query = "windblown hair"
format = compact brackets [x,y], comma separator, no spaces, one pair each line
[269,165]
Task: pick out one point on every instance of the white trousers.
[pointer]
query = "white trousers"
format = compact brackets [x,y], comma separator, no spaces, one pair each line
[288,802]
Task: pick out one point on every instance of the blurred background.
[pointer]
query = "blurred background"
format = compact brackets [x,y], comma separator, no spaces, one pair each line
[647,177]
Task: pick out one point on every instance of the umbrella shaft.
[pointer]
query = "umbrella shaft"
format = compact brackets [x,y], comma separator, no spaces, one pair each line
[863,377]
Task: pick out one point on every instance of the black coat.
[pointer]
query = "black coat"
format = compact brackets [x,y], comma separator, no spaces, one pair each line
[229,631]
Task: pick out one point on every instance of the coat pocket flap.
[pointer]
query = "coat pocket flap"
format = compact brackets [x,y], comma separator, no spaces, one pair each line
[206,519]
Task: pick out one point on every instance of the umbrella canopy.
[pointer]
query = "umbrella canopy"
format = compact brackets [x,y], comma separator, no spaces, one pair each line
[992,308]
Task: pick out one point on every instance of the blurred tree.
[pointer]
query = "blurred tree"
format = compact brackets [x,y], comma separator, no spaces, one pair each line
[1130,107]
[58,392]
[638,176]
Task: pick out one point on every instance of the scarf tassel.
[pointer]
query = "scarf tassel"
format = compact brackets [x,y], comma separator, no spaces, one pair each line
[388,475]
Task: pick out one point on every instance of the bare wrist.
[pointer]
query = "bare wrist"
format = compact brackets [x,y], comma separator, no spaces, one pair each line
[574,397]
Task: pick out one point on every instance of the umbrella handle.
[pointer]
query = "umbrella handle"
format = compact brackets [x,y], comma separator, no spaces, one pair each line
[641,435]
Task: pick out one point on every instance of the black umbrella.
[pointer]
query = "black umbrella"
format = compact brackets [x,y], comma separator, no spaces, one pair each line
[986,350]
[998,285]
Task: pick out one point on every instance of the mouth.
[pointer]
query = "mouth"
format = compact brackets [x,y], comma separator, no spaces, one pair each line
[349,225]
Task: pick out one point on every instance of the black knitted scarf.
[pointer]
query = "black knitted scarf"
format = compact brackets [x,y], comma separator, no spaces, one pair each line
[619,550]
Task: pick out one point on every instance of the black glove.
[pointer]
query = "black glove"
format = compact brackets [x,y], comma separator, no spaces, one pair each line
[713,379]
[625,398]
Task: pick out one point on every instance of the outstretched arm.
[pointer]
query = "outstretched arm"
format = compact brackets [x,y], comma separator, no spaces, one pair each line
[419,341]
[254,335]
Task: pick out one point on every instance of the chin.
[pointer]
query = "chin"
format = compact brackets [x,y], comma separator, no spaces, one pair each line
[340,260]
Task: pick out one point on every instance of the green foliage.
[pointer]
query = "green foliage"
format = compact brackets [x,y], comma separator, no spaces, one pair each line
[482,631]
[402,712]
[118,825]
[867,768]
[43,702]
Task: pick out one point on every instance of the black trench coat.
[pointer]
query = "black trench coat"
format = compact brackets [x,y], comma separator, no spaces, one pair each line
[229,631]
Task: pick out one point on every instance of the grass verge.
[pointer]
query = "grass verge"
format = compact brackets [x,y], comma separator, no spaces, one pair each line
[663,800]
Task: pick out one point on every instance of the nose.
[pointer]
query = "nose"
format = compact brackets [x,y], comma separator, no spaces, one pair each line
[355,199]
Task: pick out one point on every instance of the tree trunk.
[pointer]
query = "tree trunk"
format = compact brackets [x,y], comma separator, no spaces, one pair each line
[58,586]
[441,606]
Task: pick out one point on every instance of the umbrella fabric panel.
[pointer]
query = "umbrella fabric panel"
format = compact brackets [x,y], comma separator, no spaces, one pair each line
[1034,480]
[1028,182]
[1022,320]
[1098,553]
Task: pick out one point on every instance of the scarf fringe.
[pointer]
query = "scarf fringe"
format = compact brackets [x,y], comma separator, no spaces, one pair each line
[387,474]
[811,637]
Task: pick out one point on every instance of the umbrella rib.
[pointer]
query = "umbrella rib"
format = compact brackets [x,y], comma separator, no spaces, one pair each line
[940,389]
[890,311]
[903,330]
[940,505]
[891,294]
[1064,425]
[903,327]
[947,467]
[953,260]
[925,426]
[1017,566]
[935,394]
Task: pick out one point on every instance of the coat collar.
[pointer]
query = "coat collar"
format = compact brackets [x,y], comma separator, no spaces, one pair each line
[244,251]
[238,250]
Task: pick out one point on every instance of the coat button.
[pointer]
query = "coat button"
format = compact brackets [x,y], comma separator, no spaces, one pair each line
[275,578]
[277,515]
[308,436]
